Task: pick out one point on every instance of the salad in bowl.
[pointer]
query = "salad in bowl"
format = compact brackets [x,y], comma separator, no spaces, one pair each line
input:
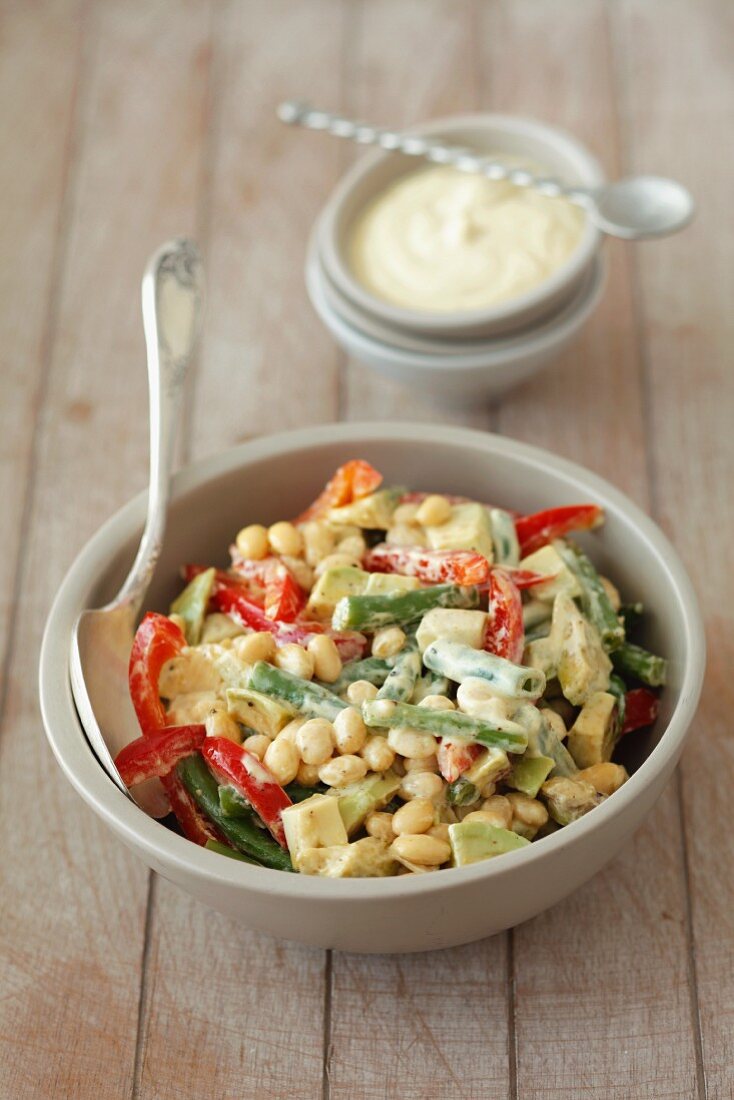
[389,683]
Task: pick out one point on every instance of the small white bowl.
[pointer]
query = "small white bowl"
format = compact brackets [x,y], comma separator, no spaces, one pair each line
[558,153]
[463,372]
[272,478]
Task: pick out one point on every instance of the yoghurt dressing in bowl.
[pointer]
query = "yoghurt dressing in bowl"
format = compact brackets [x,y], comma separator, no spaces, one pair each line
[442,240]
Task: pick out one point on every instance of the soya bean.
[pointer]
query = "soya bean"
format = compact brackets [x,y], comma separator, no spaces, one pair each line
[282,758]
[349,731]
[440,831]
[354,545]
[337,560]
[307,775]
[527,811]
[361,691]
[377,754]
[252,542]
[421,785]
[294,658]
[284,538]
[437,702]
[257,744]
[342,770]
[405,515]
[303,573]
[326,659]
[425,764]
[315,741]
[414,817]
[433,511]
[499,810]
[388,641]
[380,825]
[426,851]
[411,743]
[289,731]
[254,647]
[318,541]
[605,778]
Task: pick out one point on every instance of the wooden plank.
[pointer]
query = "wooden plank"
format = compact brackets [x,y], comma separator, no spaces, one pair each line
[39,55]
[74,900]
[424,1025]
[678,102]
[268,183]
[602,998]
[253,1008]
[413,60]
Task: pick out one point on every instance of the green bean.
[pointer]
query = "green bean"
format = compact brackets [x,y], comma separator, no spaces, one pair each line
[225,850]
[632,614]
[618,689]
[375,670]
[504,537]
[544,741]
[241,832]
[595,602]
[461,792]
[635,661]
[298,793]
[386,714]
[402,679]
[192,603]
[370,613]
[301,696]
[232,803]
[460,662]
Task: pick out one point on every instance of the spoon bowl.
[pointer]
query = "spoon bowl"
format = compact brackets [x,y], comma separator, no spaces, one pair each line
[639,207]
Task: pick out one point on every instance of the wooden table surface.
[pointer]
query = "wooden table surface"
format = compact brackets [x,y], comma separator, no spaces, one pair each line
[125,123]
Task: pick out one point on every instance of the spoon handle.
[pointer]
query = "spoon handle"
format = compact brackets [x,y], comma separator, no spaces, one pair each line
[296,113]
[172,292]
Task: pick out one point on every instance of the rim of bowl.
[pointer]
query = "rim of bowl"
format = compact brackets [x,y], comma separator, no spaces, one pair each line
[162,846]
[549,333]
[590,174]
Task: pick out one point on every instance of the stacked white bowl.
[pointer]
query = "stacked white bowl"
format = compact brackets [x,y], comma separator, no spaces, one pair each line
[476,351]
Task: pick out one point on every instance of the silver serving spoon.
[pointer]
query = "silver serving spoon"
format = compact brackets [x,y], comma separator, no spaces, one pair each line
[172,293]
[633,208]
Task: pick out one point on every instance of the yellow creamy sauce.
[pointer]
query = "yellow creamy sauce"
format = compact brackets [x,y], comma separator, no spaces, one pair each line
[443,240]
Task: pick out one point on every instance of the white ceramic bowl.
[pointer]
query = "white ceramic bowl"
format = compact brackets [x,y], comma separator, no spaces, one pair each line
[556,151]
[272,477]
[482,368]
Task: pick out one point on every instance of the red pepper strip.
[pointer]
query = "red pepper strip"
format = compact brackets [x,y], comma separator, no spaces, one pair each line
[435,566]
[233,601]
[284,597]
[505,632]
[456,757]
[194,825]
[352,481]
[542,527]
[157,753]
[641,709]
[156,641]
[232,764]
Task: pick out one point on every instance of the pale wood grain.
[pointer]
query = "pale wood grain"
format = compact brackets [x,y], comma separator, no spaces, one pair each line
[601,980]
[412,60]
[73,899]
[39,59]
[263,343]
[676,70]
[254,1007]
[431,1025]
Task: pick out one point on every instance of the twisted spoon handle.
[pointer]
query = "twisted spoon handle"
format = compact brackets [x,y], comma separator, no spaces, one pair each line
[295,113]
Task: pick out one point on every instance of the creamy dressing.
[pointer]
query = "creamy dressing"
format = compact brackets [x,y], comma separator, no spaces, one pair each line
[443,240]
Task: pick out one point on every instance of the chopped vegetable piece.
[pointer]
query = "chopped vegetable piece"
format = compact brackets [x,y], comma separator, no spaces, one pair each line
[633,660]
[314,823]
[284,597]
[156,754]
[542,527]
[456,625]
[157,639]
[373,612]
[459,662]
[194,825]
[641,709]
[473,841]
[569,799]
[234,765]
[352,481]
[233,803]
[504,537]
[505,631]
[364,797]
[366,858]
[242,832]
[225,850]
[455,757]
[300,696]
[192,604]
[435,566]
[385,714]
[461,792]
[529,773]
[402,678]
